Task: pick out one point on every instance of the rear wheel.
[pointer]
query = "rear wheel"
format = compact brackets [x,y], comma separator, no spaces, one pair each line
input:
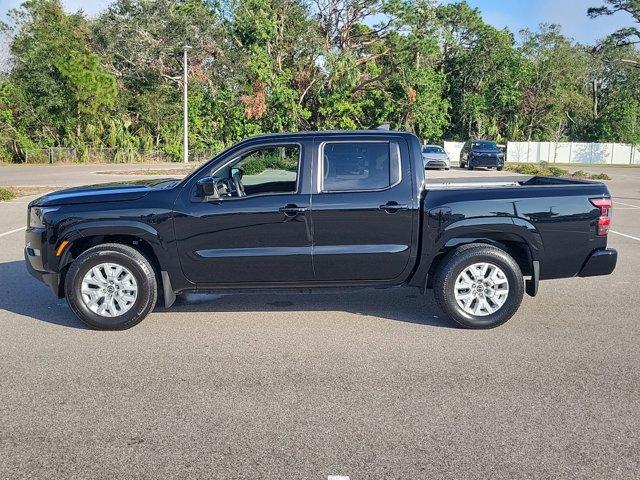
[499,169]
[479,286]
[111,287]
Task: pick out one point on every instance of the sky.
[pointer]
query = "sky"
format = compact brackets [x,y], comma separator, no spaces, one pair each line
[514,14]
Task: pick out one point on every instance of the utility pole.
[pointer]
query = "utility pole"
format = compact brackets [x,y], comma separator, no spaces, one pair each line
[185,83]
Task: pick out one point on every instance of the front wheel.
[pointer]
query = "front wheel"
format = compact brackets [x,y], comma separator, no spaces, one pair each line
[469,166]
[479,286]
[111,287]
[499,169]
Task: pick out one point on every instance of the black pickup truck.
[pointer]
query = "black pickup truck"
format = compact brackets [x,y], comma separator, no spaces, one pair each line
[316,210]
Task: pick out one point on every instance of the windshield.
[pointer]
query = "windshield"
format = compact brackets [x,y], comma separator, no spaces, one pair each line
[432,149]
[485,145]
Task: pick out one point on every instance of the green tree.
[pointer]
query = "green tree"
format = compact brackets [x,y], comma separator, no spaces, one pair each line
[483,69]
[556,101]
[57,81]
[624,36]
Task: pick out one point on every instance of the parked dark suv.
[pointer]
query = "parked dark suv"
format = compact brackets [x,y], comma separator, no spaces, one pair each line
[481,153]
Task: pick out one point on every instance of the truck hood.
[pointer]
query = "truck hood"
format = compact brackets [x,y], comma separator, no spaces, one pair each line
[104,192]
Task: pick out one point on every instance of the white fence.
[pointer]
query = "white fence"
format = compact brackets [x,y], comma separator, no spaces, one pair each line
[453,150]
[562,152]
[573,152]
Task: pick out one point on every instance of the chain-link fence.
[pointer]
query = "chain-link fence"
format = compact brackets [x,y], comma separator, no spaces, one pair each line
[109,155]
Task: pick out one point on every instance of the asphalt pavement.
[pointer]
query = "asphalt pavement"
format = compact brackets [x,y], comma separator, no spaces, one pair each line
[369,384]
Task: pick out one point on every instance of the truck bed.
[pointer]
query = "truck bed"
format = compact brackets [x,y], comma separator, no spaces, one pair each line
[555,217]
[533,181]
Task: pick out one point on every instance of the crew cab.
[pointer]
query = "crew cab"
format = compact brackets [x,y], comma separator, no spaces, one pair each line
[481,153]
[310,211]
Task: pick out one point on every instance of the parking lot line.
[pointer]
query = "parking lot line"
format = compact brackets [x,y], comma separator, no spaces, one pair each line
[616,202]
[625,235]
[337,477]
[12,231]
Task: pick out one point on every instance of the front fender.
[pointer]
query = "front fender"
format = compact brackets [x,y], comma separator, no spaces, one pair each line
[120,228]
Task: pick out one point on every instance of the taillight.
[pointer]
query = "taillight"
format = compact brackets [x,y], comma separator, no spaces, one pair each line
[604,221]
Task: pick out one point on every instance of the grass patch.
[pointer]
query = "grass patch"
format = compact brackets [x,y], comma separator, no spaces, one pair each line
[6,194]
[546,170]
[9,193]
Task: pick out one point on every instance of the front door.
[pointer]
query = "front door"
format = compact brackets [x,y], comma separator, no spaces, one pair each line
[362,219]
[258,229]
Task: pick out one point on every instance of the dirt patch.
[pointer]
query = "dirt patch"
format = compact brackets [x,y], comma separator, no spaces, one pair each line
[8,193]
[150,171]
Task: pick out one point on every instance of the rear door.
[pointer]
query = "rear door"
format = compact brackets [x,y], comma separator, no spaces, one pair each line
[362,217]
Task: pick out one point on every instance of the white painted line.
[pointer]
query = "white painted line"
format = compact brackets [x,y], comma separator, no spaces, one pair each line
[12,231]
[617,202]
[625,235]
[337,477]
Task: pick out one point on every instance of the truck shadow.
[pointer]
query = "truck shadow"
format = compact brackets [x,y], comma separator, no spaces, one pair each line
[398,304]
[23,295]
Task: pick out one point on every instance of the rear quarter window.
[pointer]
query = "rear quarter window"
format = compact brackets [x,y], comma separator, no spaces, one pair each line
[365,166]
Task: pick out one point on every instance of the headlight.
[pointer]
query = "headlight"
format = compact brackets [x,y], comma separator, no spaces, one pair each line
[36,216]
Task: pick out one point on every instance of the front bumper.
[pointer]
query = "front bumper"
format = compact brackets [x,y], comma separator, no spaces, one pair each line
[436,164]
[34,257]
[486,161]
[52,280]
[600,262]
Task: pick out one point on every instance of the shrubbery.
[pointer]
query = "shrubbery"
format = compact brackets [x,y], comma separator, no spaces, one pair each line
[6,194]
[546,170]
[259,164]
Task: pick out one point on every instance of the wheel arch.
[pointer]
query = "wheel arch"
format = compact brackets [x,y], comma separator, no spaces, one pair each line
[143,239]
[518,239]
[516,247]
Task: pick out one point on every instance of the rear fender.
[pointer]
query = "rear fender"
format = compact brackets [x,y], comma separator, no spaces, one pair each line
[496,231]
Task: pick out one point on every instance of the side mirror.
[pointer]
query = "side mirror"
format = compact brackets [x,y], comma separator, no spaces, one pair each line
[237,172]
[207,187]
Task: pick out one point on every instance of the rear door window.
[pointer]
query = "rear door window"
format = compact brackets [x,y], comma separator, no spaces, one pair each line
[364,166]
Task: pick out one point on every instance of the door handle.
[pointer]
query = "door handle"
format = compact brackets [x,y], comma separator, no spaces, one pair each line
[292,210]
[393,207]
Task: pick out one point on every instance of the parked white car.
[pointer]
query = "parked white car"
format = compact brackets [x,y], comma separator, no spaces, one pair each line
[434,156]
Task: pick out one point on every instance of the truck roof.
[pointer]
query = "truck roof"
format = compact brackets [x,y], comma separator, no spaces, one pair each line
[332,133]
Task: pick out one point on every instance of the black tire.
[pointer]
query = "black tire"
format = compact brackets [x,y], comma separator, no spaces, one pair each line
[127,257]
[462,257]
[499,169]
[470,167]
